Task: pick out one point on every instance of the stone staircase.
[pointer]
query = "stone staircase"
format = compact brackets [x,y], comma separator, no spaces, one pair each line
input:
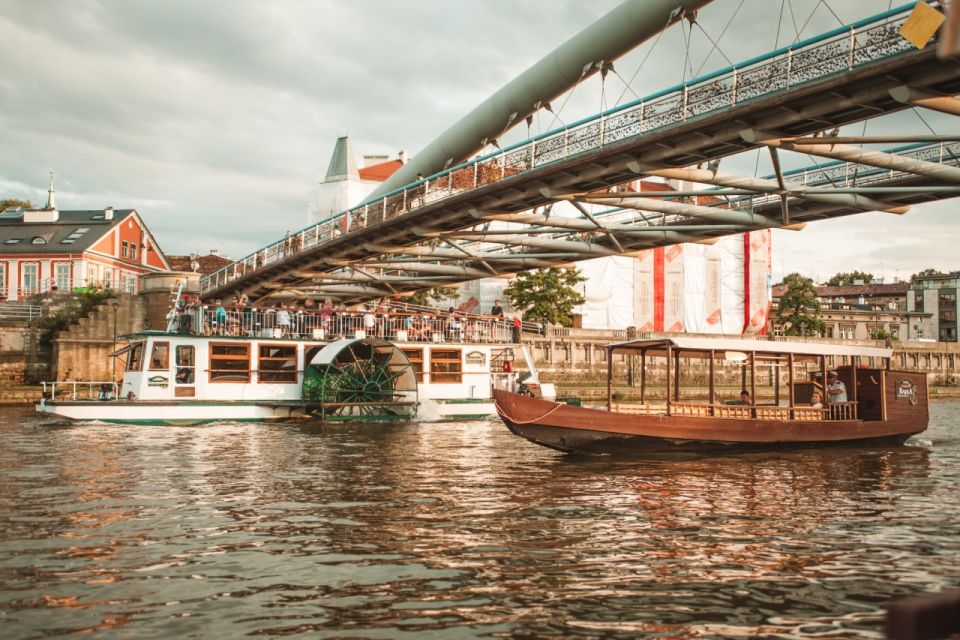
[81,352]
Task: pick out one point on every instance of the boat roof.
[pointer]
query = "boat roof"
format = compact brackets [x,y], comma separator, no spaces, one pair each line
[692,347]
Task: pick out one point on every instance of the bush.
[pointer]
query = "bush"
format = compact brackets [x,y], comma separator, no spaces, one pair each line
[79,306]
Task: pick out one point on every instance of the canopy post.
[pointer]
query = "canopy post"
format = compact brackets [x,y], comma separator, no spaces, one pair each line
[713,388]
[676,375]
[643,376]
[669,358]
[853,383]
[609,379]
[790,382]
[753,378]
[776,383]
[823,381]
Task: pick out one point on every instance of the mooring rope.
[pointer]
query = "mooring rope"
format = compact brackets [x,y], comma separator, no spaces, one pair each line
[515,421]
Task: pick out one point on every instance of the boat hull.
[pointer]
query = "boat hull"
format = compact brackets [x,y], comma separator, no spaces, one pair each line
[581,430]
[200,412]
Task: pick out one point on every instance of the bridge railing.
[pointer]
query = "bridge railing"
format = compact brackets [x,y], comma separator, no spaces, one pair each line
[837,51]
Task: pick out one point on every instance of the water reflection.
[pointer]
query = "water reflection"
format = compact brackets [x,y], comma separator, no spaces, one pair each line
[459,530]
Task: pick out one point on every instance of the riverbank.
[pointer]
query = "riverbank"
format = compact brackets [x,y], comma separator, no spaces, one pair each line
[14,395]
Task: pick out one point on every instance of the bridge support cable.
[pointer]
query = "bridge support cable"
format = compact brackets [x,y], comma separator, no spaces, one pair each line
[614,34]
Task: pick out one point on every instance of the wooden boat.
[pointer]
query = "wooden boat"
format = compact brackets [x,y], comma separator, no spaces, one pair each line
[883,407]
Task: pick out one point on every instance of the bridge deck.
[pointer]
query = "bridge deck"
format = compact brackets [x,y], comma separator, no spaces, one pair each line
[838,78]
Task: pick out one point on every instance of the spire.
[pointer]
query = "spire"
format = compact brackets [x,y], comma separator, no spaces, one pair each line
[51,195]
[342,164]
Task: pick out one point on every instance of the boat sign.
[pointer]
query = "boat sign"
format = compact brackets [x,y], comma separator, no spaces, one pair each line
[158,381]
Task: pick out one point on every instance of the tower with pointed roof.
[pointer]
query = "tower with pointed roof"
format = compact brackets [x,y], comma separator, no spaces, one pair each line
[344,184]
[51,196]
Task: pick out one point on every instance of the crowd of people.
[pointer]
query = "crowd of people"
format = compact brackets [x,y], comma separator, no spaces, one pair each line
[390,320]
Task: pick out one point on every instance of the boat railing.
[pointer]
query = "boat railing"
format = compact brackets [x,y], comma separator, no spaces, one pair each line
[835,411]
[274,323]
[80,390]
[638,409]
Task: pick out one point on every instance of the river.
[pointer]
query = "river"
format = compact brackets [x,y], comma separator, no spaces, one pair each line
[457,531]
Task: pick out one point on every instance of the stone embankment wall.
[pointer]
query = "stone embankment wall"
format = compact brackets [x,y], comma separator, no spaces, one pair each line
[82,352]
[578,357]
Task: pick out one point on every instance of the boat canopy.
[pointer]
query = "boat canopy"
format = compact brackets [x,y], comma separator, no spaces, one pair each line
[701,347]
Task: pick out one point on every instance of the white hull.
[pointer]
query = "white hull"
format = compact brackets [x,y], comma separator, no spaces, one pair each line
[185,413]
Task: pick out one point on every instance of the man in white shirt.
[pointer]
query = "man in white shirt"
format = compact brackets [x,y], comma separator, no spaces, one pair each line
[836,390]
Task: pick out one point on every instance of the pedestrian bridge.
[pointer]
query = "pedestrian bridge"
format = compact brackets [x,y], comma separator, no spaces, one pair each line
[437,231]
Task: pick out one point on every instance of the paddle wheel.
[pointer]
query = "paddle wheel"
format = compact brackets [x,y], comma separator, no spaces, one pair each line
[363,379]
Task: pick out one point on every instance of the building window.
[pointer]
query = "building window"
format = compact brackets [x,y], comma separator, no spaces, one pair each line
[135,357]
[133,251]
[38,240]
[848,332]
[123,248]
[415,356]
[445,366]
[160,356]
[108,278]
[31,278]
[3,280]
[229,362]
[277,364]
[62,276]
[948,334]
[186,364]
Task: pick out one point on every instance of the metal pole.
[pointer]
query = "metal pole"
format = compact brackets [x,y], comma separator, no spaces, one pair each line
[790,380]
[669,356]
[713,390]
[114,358]
[609,379]
[643,376]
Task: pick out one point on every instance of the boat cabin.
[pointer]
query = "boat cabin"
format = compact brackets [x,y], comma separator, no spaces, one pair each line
[766,380]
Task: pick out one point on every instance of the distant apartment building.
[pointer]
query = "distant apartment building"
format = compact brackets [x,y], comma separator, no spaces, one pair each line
[933,300]
[47,249]
[865,312]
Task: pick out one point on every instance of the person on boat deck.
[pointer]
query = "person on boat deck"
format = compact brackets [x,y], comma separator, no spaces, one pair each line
[220,317]
[283,319]
[816,400]
[836,390]
[745,398]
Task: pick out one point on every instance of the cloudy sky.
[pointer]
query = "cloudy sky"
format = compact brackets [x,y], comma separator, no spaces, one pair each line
[215,119]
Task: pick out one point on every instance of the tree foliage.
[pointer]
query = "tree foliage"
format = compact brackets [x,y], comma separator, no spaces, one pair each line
[929,271]
[431,297]
[13,203]
[546,295]
[845,278]
[798,309]
[78,305]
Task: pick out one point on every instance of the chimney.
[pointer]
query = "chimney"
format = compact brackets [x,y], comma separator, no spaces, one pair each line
[215,252]
[404,156]
[108,213]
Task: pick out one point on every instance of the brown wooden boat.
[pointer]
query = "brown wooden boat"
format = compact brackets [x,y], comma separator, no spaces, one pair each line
[883,406]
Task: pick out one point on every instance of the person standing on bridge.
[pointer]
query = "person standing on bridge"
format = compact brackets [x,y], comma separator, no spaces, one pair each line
[496,311]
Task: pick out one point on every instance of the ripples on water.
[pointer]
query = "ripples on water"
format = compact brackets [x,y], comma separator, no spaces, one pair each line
[459,530]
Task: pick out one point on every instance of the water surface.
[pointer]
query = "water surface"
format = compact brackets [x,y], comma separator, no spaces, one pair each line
[458,530]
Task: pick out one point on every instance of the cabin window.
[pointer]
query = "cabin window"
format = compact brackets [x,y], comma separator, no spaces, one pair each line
[135,357]
[160,356]
[415,356]
[186,364]
[278,363]
[445,366]
[229,362]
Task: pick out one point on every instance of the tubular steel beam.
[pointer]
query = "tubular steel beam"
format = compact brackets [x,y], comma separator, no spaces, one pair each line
[769,186]
[859,156]
[927,100]
[613,35]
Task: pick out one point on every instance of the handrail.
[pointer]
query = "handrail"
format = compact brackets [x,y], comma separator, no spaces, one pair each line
[851,46]
[105,390]
[833,411]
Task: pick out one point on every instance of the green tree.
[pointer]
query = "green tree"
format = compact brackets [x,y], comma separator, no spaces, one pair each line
[546,295]
[929,271]
[798,310]
[432,297]
[846,278]
[13,203]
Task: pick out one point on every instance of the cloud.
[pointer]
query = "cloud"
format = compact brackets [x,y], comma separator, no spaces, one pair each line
[215,119]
